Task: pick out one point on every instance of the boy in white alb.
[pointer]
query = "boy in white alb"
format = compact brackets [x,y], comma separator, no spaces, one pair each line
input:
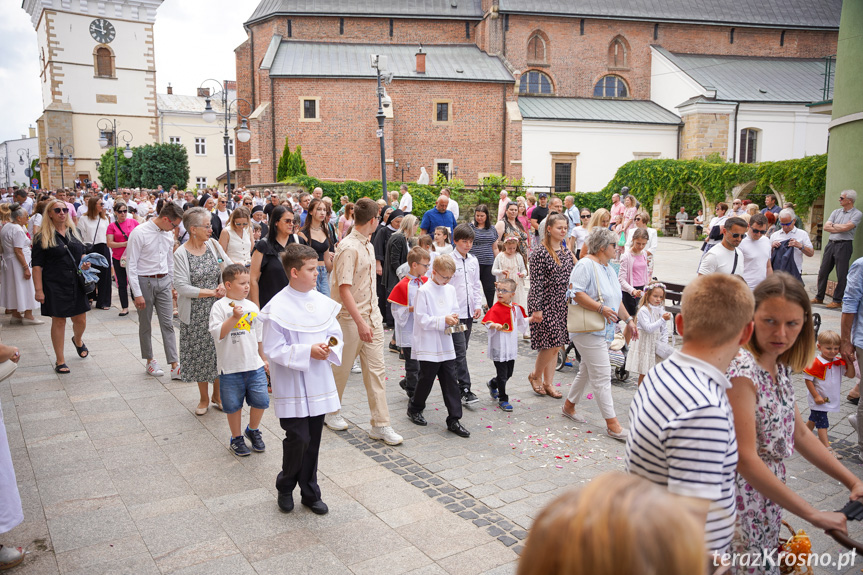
[237,330]
[824,382]
[302,337]
[435,318]
[505,320]
[403,299]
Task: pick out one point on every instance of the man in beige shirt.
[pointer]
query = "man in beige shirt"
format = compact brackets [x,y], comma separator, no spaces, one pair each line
[352,284]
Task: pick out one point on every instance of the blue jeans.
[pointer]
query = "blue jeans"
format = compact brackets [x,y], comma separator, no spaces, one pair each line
[323,285]
[250,386]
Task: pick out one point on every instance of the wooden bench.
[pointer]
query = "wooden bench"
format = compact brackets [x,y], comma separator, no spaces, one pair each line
[673,294]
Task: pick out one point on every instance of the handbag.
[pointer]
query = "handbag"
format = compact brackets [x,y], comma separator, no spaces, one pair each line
[88,286]
[88,248]
[581,320]
[211,245]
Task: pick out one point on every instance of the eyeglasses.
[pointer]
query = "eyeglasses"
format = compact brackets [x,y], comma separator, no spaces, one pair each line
[499,290]
[120,211]
[61,210]
[758,232]
[241,225]
[785,224]
[286,221]
[443,277]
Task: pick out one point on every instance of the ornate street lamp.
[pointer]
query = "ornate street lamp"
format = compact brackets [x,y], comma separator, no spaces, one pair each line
[107,126]
[244,134]
[65,153]
[379,63]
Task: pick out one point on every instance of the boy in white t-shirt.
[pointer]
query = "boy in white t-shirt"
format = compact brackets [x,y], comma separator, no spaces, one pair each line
[238,333]
[824,383]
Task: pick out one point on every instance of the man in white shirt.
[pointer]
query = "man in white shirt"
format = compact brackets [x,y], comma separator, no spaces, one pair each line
[150,266]
[841,225]
[798,239]
[20,196]
[725,257]
[131,204]
[756,249]
[737,208]
[452,207]
[571,212]
[681,217]
[406,204]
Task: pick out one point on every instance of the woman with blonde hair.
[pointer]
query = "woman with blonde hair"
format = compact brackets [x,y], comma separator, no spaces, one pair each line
[59,285]
[617,523]
[768,424]
[236,239]
[600,218]
[93,229]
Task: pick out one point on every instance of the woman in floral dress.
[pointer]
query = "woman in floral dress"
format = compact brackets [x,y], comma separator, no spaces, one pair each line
[550,266]
[768,423]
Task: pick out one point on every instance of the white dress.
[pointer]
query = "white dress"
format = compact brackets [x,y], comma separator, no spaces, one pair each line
[430,342]
[651,329]
[15,292]
[517,271]
[293,322]
[11,512]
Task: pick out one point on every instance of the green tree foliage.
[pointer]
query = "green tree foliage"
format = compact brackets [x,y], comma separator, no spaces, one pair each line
[106,169]
[282,169]
[291,163]
[155,164]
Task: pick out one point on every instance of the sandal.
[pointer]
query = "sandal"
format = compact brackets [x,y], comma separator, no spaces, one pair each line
[82,350]
[61,368]
[11,556]
[834,454]
[549,389]
[534,383]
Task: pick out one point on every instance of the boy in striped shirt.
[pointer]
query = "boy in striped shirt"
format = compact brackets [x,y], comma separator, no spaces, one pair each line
[682,427]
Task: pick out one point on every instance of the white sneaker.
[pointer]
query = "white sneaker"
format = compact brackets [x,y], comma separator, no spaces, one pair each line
[175,372]
[387,434]
[34,321]
[154,369]
[356,367]
[852,419]
[335,421]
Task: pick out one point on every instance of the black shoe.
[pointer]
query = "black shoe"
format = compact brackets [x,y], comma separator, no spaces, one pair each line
[318,507]
[394,348]
[417,418]
[286,502]
[401,355]
[403,383]
[459,429]
[239,447]
[492,390]
[254,436]
[469,398]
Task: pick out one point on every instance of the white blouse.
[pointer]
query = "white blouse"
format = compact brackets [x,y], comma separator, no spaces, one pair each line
[93,228]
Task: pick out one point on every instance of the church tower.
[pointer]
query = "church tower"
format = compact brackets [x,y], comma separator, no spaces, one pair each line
[96,60]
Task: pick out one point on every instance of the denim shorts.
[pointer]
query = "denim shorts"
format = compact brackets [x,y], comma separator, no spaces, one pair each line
[248,385]
[819,418]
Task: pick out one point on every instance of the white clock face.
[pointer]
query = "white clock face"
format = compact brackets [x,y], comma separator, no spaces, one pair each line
[102,30]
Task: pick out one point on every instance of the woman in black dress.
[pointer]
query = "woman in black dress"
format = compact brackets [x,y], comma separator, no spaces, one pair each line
[268,275]
[57,252]
[550,266]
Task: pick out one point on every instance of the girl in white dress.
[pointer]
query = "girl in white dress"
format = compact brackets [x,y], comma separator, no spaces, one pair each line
[652,329]
[508,264]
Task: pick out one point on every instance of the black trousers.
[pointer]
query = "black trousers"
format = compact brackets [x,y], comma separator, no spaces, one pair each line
[103,286]
[504,372]
[444,371]
[460,341]
[383,304]
[412,368]
[300,449]
[122,284]
[486,278]
[837,254]
[629,302]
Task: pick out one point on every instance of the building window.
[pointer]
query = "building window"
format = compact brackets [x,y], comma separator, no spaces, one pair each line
[618,56]
[175,140]
[310,109]
[230,148]
[536,49]
[610,87]
[443,112]
[444,168]
[534,82]
[200,146]
[104,62]
[563,172]
[748,146]
[108,136]
[201,183]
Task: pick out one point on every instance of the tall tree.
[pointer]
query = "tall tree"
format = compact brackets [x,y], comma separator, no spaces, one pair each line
[155,164]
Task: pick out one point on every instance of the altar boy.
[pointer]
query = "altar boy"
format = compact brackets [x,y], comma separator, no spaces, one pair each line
[403,299]
[301,339]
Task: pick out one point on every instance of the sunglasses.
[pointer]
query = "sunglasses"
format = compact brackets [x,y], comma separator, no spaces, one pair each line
[120,211]
[783,224]
[585,217]
[247,203]
[735,236]
[61,210]
[637,219]
[758,232]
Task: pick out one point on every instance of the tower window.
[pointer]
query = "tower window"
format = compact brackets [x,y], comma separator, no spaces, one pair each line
[748,146]
[104,62]
[536,49]
[610,87]
[534,82]
[617,54]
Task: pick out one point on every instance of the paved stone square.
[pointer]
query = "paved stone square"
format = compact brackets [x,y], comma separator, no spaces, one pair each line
[117,474]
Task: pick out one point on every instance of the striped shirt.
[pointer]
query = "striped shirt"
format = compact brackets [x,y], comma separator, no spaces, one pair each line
[483,245]
[682,436]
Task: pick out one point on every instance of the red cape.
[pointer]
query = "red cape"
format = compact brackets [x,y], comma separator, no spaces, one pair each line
[502,314]
[399,295]
[818,369]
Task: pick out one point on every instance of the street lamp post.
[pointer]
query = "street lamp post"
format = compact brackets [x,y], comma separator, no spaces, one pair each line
[105,126]
[66,152]
[403,167]
[243,132]
[379,63]
[28,171]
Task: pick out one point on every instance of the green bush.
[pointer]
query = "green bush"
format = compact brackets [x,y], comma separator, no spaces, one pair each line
[424,197]
[291,163]
[106,168]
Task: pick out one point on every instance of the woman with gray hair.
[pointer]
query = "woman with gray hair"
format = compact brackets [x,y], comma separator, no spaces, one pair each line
[198,266]
[593,285]
[17,293]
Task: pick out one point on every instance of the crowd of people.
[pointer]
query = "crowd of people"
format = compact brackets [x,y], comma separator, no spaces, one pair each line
[279,299]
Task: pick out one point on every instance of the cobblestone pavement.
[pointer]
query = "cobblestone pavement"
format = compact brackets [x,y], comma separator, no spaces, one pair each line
[118,475]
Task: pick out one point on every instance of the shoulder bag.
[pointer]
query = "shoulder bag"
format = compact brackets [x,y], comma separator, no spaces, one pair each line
[88,248]
[123,257]
[88,286]
[582,320]
[214,246]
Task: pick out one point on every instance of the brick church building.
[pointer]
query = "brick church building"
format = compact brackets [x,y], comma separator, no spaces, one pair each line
[558,91]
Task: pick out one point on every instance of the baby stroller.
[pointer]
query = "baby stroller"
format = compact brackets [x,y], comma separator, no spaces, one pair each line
[617,351]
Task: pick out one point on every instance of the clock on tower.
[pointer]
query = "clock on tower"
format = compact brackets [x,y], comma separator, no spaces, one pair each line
[102,30]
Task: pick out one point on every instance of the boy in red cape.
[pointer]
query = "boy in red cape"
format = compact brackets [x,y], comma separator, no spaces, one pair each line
[505,321]
[403,297]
